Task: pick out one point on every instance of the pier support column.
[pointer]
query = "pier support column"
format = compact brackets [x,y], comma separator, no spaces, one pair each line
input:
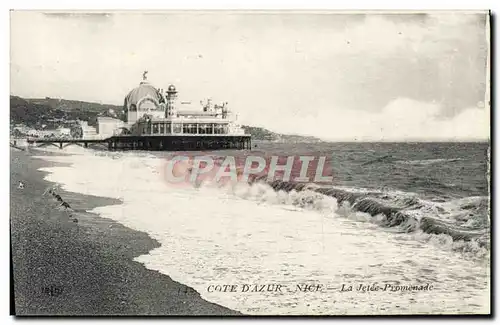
[60,145]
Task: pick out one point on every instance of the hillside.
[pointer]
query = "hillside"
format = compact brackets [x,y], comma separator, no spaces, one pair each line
[259,133]
[73,105]
[49,113]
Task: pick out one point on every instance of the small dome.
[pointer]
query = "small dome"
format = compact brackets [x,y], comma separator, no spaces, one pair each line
[171,88]
[145,90]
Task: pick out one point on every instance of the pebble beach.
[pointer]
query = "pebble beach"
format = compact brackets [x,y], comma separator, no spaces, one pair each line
[70,262]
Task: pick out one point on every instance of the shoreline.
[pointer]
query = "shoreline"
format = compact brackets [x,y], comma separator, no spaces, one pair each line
[62,267]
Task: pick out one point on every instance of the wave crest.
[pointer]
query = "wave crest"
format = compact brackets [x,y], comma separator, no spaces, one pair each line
[407,212]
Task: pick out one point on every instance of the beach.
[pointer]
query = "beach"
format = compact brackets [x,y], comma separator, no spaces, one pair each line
[62,267]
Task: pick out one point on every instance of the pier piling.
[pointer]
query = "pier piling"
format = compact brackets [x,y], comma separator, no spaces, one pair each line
[157,143]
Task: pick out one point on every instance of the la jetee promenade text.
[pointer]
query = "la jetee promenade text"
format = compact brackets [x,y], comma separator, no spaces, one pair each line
[319,287]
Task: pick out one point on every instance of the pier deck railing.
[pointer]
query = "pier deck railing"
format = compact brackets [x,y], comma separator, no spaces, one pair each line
[153,143]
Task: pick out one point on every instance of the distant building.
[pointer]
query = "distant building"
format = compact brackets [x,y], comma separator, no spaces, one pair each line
[63,131]
[88,132]
[22,129]
[108,126]
[40,133]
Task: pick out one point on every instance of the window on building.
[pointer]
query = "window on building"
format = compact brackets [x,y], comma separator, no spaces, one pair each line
[168,128]
[220,129]
[162,128]
[156,128]
[177,128]
[189,128]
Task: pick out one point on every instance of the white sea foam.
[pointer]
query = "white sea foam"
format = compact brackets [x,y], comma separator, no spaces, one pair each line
[253,235]
[428,161]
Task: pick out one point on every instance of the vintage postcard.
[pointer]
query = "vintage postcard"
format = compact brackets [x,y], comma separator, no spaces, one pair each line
[250,163]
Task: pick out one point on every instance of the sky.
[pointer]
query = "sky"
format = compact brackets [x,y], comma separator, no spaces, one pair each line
[338,76]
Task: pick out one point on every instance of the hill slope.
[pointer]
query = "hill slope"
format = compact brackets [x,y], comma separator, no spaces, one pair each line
[259,133]
[74,105]
[49,113]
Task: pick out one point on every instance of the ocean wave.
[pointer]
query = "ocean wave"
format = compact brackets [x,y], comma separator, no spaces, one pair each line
[398,212]
[428,161]
[461,220]
[278,232]
[386,158]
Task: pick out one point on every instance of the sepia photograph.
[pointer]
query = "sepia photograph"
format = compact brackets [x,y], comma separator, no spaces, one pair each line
[250,163]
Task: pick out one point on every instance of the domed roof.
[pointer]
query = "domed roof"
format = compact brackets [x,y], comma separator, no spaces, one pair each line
[144,90]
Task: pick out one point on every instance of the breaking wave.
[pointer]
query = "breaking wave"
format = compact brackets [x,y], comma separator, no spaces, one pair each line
[461,224]
[458,224]
[427,161]
[284,232]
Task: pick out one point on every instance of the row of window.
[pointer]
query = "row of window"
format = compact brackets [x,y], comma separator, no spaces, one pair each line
[145,108]
[166,128]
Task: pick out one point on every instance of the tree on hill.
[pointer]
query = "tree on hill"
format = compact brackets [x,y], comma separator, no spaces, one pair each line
[76,132]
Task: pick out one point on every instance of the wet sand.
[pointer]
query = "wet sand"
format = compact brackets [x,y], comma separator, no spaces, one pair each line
[62,267]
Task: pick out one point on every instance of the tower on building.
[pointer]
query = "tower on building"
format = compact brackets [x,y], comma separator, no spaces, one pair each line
[171,97]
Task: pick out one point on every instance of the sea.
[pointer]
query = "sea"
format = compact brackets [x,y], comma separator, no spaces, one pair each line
[405,226]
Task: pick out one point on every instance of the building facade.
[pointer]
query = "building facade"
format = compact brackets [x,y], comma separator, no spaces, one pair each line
[153,112]
[108,126]
[153,121]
